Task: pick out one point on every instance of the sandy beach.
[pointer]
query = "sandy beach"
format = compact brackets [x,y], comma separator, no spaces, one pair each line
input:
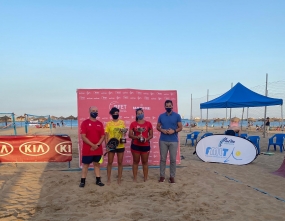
[203,191]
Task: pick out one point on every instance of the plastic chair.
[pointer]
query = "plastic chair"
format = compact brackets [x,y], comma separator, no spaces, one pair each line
[193,136]
[255,140]
[279,141]
[206,135]
[243,136]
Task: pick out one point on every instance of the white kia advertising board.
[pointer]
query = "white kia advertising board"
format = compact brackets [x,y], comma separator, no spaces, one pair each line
[226,149]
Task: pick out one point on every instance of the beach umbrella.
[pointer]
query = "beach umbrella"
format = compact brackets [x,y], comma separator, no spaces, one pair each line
[5,119]
[53,117]
[70,118]
[217,120]
[250,119]
[21,118]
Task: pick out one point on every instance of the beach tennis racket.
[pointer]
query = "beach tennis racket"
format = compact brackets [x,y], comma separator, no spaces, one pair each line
[267,153]
[111,145]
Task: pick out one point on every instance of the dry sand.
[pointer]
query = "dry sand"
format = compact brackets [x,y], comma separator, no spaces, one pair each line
[44,191]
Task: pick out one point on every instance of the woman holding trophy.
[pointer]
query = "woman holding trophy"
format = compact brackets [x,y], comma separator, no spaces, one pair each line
[115,129]
[140,132]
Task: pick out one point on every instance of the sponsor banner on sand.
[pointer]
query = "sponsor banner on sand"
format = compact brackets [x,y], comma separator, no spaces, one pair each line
[54,148]
[226,149]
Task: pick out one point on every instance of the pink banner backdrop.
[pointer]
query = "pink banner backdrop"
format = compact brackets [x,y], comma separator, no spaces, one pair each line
[126,100]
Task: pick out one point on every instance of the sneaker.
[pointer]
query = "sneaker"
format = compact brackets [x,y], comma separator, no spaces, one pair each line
[171,180]
[81,184]
[161,179]
[100,183]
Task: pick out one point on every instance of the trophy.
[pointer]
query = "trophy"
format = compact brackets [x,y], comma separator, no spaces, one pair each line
[141,139]
[123,131]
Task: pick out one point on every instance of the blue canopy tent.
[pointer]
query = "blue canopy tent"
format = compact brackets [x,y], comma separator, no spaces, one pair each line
[240,96]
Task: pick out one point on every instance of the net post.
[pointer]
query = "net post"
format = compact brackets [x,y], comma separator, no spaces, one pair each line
[14,124]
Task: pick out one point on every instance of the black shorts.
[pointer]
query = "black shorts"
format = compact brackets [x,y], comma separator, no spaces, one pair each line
[120,150]
[90,159]
[140,149]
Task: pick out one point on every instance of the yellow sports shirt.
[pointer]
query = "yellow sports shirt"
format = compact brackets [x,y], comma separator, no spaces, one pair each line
[113,129]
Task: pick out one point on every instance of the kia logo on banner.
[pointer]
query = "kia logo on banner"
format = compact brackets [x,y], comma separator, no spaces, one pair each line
[5,148]
[226,149]
[34,148]
[64,148]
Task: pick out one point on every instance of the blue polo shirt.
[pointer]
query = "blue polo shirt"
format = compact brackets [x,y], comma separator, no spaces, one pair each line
[169,121]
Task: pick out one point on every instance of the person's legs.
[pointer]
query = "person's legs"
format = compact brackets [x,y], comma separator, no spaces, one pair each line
[120,157]
[163,147]
[144,158]
[136,160]
[97,172]
[86,160]
[96,169]
[84,170]
[173,146]
[109,166]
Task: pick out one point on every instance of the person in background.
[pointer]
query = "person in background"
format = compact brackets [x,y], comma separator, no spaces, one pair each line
[267,125]
[141,132]
[92,134]
[112,130]
[234,125]
[169,124]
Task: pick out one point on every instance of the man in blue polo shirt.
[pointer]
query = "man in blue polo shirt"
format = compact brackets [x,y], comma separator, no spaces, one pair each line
[169,124]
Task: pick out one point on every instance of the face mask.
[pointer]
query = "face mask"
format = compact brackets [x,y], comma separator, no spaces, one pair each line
[115,116]
[140,117]
[93,114]
[168,109]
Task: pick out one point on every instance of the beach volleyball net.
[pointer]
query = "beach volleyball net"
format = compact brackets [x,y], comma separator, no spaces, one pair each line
[38,121]
[7,120]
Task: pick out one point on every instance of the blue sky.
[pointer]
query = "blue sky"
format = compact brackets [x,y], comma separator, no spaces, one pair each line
[48,49]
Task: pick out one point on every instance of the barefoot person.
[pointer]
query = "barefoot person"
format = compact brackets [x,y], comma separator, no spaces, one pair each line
[169,124]
[140,132]
[92,134]
[112,130]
